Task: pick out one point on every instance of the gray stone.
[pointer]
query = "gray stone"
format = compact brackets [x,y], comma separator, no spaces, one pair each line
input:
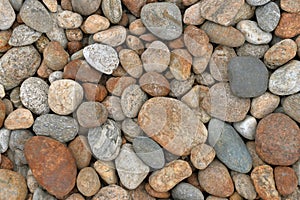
[186,191]
[257,2]
[23,35]
[268,16]
[34,95]
[248,49]
[291,106]
[244,186]
[247,127]
[85,7]
[18,64]
[7,15]
[114,36]
[131,170]
[112,10]
[105,140]
[15,97]
[169,157]
[16,4]
[4,139]
[248,76]
[61,128]
[163,19]
[39,194]
[149,152]
[179,88]
[36,16]
[57,33]
[54,76]
[131,129]
[114,108]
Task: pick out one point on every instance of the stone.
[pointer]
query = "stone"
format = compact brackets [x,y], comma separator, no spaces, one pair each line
[94,92]
[101,57]
[135,44]
[137,27]
[55,57]
[32,184]
[281,148]
[280,53]
[158,118]
[4,39]
[224,35]
[192,15]
[292,196]
[220,11]
[285,80]
[257,2]
[244,186]
[8,15]
[36,16]
[131,129]
[253,34]
[202,155]
[253,50]
[154,84]
[19,119]
[195,96]
[2,112]
[263,180]
[51,5]
[156,57]
[134,6]
[80,151]
[286,180]
[23,35]
[105,140]
[95,23]
[41,152]
[85,7]
[131,170]
[291,6]
[54,76]
[200,63]
[114,108]
[69,20]
[248,77]
[268,16]
[169,17]
[288,25]
[291,106]
[156,194]
[13,185]
[57,33]
[18,64]
[39,193]
[180,64]
[245,12]
[2,91]
[41,43]
[149,152]
[15,97]
[221,103]
[216,180]
[6,163]
[131,62]
[114,36]
[112,192]
[112,10]
[34,95]
[141,193]
[186,191]
[263,105]
[107,171]
[179,88]
[64,96]
[166,178]
[219,61]
[296,168]
[256,160]
[4,139]
[88,182]
[246,127]
[74,34]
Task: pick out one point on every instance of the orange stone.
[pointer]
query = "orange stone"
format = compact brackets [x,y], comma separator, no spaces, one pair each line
[94,92]
[289,25]
[286,180]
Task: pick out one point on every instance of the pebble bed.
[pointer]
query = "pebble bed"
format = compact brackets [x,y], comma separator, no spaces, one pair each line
[149,100]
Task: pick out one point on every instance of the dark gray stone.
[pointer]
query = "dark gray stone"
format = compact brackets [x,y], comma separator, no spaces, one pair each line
[186,191]
[131,129]
[169,157]
[268,16]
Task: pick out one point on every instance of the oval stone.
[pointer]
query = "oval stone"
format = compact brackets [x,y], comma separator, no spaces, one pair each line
[186,191]
[291,106]
[7,15]
[85,7]
[268,16]
[23,35]
[113,36]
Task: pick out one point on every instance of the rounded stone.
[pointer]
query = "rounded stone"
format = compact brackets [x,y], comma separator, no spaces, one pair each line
[286,180]
[134,6]
[131,62]
[131,129]
[263,105]
[112,10]
[94,92]
[4,139]
[246,127]
[291,106]
[257,2]
[2,112]
[180,64]
[156,194]
[244,186]
[23,35]
[116,85]
[268,16]
[107,171]
[289,25]
[95,23]
[141,193]
[114,36]
[186,191]
[19,119]
[172,124]
[253,50]
[154,84]
[112,192]
[290,6]
[85,7]
[202,155]
[179,88]
[114,109]
[69,20]
[81,151]
[88,182]
[4,39]
[192,15]
[169,17]
[64,96]
[8,15]
[281,148]
[55,57]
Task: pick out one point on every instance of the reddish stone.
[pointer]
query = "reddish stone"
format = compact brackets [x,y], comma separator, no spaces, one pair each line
[94,92]
[44,71]
[134,6]
[117,85]
[4,38]
[289,25]
[286,180]
[155,84]
[2,112]
[74,46]
[153,193]
[6,163]
[81,151]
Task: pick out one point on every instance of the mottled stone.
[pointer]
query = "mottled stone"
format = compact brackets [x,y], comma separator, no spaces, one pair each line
[57,33]
[137,27]
[200,63]
[195,96]
[85,7]
[4,139]
[69,20]
[256,160]
[141,193]
[112,192]
[180,64]
[7,14]
[135,44]
[4,39]
[134,6]
[19,119]
[88,182]
[179,88]
[291,106]
[246,127]
[291,6]
[288,26]
[131,129]
[186,191]
[55,57]
[2,112]
[114,36]
[268,16]
[23,35]
[257,2]
[154,84]
[94,24]
[107,171]
[244,186]
[245,12]
[286,180]
[114,109]
[263,105]
[112,10]
[156,194]
[80,151]
[192,15]
[202,155]
[253,50]
[94,92]
[131,62]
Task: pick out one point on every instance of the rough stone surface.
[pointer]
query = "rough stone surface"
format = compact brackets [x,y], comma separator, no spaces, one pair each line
[94,24]
[88,182]
[200,63]
[263,105]
[81,151]
[94,92]
[246,127]
[245,12]
[186,191]
[112,10]
[244,186]
[4,39]
[292,6]
[179,88]
[114,109]
[180,64]
[7,13]
[57,33]
[154,84]
[289,25]
[286,180]
[69,20]
[107,171]
[134,6]
[202,155]
[156,194]
[253,50]
[112,192]
[192,15]
[4,139]
[291,106]
[23,35]
[19,119]
[55,57]
[85,7]
[114,36]
[268,16]
[141,193]
[131,62]
[116,85]
[257,2]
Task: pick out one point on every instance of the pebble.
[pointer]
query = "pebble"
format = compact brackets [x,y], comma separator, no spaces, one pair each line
[107,171]
[55,57]
[186,191]
[172,124]
[192,15]
[141,193]
[69,20]
[74,34]
[13,185]
[210,197]
[6,163]
[194,96]
[135,44]
[94,92]
[288,26]
[4,139]
[219,61]
[290,6]
[131,62]
[253,34]
[8,106]
[216,180]
[137,27]
[180,64]
[154,84]
[286,79]
[296,168]
[280,53]
[4,39]
[54,76]
[292,196]
[244,186]
[41,43]
[15,97]
[263,105]
[223,104]
[85,7]
[156,57]
[202,155]
[34,95]
[57,33]
[114,109]
[253,50]
[291,106]
[268,16]
[281,148]
[179,88]
[64,96]
[286,180]
[20,61]
[220,11]
[156,194]
[114,36]
[8,15]
[112,10]
[61,128]
[94,24]
[51,5]
[131,129]
[81,151]
[246,127]
[131,170]
[36,16]
[149,152]
[41,152]
[166,178]
[2,112]
[112,192]
[169,17]
[245,12]
[257,2]
[263,180]
[19,119]
[23,35]
[101,57]
[200,63]
[105,140]
[88,182]
[39,193]
[256,160]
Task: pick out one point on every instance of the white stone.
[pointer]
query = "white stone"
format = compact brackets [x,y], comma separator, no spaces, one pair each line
[247,127]
[4,139]
[2,91]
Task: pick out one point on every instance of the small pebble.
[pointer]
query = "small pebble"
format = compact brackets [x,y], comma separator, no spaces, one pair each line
[186,191]
[134,6]
[257,2]
[54,76]
[84,7]
[88,182]
[192,15]
[95,23]
[39,193]
[55,57]
[112,10]
[114,36]
[286,180]
[180,64]
[69,20]
[4,139]
[202,155]
[4,39]
[131,129]
[289,25]
[291,106]
[156,194]
[154,84]
[19,119]
[179,88]
[246,127]
[81,151]
[253,50]
[245,12]
[263,105]
[244,186]
[137,27]
[141,193]
[195,96]
[23,35]
[200,63]
[51,5]
[107,171]
[268,16]
[112,192]
[131,62]
[2,112]
[8,15]
[291,6]
[114,109]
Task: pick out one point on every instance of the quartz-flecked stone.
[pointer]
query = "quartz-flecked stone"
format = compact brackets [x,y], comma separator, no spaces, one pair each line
[112,10]
[186,191]
[85,7]
[7,15]
[288,26]
[291,106]
[268,16]
[23,35]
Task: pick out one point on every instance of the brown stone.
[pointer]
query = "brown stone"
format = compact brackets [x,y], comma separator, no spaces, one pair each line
[235,196]
[80,150]
[113,106]
[192,15]
[177,43]
[286,180]
[117,85]
[166,178]
[155,194]
[281,148]
[88,182]
[52,165]
[51,5]
[74,46]
[55,57]
[94,92]
[298,45]
[107,171]
[114,36]
[140,193]
[135,44]
[74,34]
[289,25]
[19,119]
[95,23]
[263,105]
[216,180]
[120,71]
[148,37]
[137,27]
[263,180]
[291,106]
[112,192]
[66,5]
[193,180]
[4,38]
[202,155]
[131,62]
[200,63]
[291,6]
[44,71]
[6,163]
[41,43]
[75,196]
[256,160]
[8,106]
[2,112]
[134,6]
[154,84]
[181,64]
